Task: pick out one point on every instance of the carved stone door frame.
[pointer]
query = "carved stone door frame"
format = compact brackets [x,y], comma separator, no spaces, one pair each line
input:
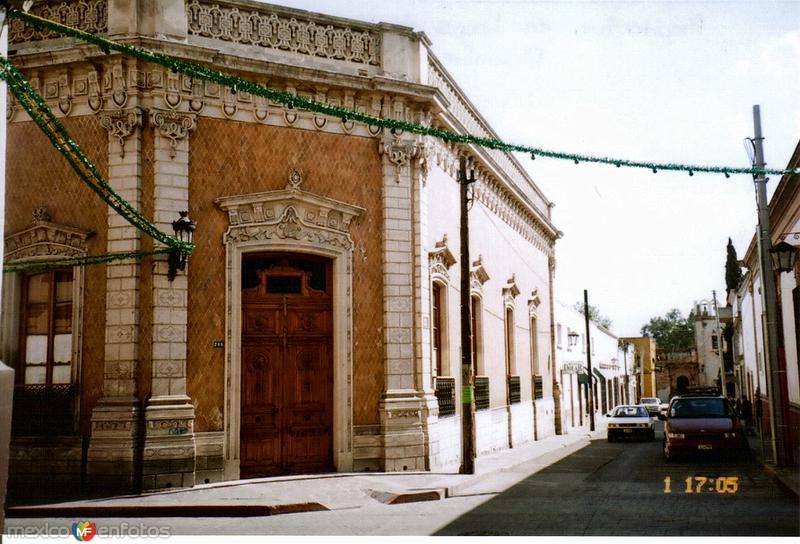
[292,221]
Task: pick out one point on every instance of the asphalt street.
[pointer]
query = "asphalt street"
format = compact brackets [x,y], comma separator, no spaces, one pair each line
[628,489]
[603,489]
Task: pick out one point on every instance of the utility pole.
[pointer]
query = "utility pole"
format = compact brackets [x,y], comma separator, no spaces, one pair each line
[775,374]
[467,378]
[723,380]
[627,379]
[589,358]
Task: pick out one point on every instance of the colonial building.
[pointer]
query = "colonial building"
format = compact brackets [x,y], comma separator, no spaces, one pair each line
[612,377]
[749,353]
[709,345]
[316,326]
[644,354]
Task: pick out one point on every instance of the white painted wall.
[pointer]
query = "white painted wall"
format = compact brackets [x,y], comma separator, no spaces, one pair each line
[504,252]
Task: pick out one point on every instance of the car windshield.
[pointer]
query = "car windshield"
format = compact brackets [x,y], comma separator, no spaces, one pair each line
[629,411]
[701,407]
[651,400]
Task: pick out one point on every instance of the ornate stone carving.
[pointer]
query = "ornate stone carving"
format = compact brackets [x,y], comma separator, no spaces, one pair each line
[295,179]
[173,125]
[534,301]
[510,291]
[441,259]
[398,152]
[478,275]
[121,124]
[263,28]
[45,239]
[291,214]
[88,15]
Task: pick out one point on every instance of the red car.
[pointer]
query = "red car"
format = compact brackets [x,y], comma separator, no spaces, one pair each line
[701,423]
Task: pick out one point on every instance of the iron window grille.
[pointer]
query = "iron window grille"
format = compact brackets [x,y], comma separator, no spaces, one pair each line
[446,395]
[514,394]
[481,392]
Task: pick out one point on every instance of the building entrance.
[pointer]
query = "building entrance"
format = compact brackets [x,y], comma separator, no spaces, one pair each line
[287,365]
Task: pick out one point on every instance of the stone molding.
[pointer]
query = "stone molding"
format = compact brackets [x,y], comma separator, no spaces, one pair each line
[494,195]
[534,301]
[297,221]
[173,125]
[273,30]
[398,152]
[45,239]
[510,291]
[441,259]
[121,124]
[88,15]
[289,214]
[477,276]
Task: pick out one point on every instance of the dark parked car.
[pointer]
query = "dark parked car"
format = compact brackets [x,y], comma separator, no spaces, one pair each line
[701,423]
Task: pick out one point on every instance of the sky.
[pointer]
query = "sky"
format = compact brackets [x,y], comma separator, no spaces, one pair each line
[652,81]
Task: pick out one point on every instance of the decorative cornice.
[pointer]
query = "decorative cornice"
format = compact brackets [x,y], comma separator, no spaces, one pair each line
[173,125]
[121,124]
[534,301]
[45,239]
[289,213]
[441,259]
[478,275]
[496,198]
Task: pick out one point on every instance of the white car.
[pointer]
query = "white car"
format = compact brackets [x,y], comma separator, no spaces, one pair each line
[653,404]
[628,421]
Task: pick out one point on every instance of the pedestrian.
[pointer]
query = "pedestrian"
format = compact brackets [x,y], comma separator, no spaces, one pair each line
[746,415]
[759,410]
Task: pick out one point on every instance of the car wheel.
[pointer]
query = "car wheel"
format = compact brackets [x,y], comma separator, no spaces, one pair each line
[652,435]
[610,438]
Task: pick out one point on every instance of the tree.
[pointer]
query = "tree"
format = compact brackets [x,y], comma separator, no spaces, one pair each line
[733,272]
[594,315]
[672,332]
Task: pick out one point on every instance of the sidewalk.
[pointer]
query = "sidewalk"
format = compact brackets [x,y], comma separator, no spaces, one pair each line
[285,494]
[788,478]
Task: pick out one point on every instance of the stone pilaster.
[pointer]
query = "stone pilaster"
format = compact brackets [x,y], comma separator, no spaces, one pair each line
[422,309]
[169,446]
[402,407]
[115,420]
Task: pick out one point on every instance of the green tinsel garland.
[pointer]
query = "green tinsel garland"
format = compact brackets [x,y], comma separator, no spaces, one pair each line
[293,101]
[55,131]
[32,265]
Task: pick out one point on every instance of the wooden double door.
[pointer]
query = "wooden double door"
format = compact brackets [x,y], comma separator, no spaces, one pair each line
[287,366]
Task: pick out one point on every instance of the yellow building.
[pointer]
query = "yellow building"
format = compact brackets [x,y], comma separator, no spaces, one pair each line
[645,365]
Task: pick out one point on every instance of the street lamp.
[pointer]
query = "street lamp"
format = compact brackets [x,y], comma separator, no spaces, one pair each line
[184,231]
[784,256]
[572,339]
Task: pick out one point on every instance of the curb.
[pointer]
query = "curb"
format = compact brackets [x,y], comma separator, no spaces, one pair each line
[162,510]
[770,471]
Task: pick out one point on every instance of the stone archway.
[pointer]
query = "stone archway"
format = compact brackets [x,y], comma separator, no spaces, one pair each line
[681,384]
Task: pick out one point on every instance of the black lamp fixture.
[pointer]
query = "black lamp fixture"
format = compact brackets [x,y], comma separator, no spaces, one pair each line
[184,231]
[783,256]
[572,338]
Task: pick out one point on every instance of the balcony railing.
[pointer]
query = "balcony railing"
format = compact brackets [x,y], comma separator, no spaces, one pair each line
[514,394]
[481,392]
[446,395]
